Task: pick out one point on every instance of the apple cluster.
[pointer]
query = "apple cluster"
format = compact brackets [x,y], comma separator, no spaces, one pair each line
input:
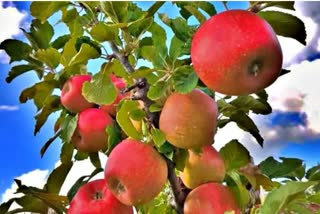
[235,52]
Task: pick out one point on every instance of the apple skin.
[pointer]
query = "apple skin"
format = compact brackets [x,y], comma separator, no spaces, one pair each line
[210,198]
[120,85]
[135,172]
[90,134]
[95,198]
[189,120]
[71,94]
[207,166]
[236,52]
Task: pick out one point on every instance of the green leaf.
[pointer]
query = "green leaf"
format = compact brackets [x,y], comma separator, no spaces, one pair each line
[139,27]
[57,177]
[194,11]
[244,122]
[282,4]
[51,104]
[167,149]
[60,41]
[285,25]
[274,169]
[69,15]
[185,79]
[40,34]
[56,202]
[157,90]
[18,70]
[69,51]
[85,53]
[240,191]
[39,91]
[313,174]
[235,155]
[80,182]
[50,56]
[47,144]
[124,121]
[4,207]
[155,107]
[12,45]
[158,137]
[247,102]
[278,198]
[81,155]
[68,127]
[66,153]
[137,114]
[43,10]
[134,12]
[94,159]
[87,40]
[100,89]
[178,48]
[102,32]
[117,11]
[179,27]
[180,158]
[114,137]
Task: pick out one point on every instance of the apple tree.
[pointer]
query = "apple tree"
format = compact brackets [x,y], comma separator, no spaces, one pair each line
[164,88]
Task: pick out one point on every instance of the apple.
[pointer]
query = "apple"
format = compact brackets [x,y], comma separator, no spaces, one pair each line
[135,172]
[120,85]
[236,52]
[90,134]
[95,198]
[204,167]
[210,198]
[71,94]
[189,120]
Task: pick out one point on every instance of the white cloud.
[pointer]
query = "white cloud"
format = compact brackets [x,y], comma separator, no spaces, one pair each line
[9,107]
[36,178]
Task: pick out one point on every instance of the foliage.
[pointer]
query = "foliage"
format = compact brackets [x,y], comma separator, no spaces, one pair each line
[139,35]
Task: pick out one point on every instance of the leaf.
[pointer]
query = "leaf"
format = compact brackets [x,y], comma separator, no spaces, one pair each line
[285,25]
[167,150]
[274,169]
[57,177]
[194,11]
[235,155]
[94,159]
[178,48]
[60,41]
[80,182]
[68,127]
[313,174]
[43,10]
[12,45]
[246,103]
[244,122]
[100,89]
[240,191]
[56,202]
[51,104]
[114,137]
[50,56]
[180,158]
[18,70]
[85,53]
[66,153]
[69,15]
[81,155]
[282,4]
[158,137]
[48,143]
[117,11]
[278,198]
[5,206]
[40,34]
[179,27]
[69,51]
[185,79]
[139,27]
[102,32]
[157,90]
[39,92]
[124,121]
[155,107]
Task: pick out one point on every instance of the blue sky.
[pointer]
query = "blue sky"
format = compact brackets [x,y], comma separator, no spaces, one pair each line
[291,130]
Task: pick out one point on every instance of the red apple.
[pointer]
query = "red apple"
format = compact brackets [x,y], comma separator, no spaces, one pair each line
[90,135]
[236,52]
[207,166]
[189,120]
[71,94]
[120,85]
[135,172]
[95,198]
[210,198]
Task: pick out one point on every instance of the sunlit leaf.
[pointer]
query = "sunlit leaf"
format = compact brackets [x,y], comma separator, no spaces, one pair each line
[50,56]
[43,10]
